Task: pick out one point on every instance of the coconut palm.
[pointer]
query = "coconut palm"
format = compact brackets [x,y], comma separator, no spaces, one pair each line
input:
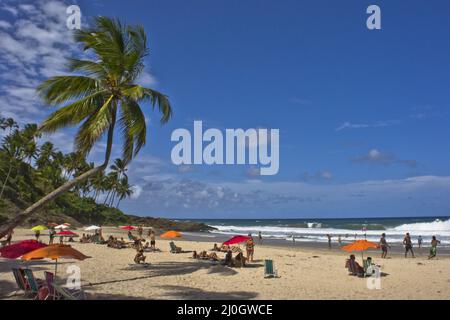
[123,190]
[12,151]
[103,96]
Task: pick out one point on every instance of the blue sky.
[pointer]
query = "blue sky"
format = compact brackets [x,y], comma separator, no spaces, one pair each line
[363,114]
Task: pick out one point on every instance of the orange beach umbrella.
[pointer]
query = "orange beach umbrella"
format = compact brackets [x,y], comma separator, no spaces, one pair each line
[171,234]
[360,245]
[55,252]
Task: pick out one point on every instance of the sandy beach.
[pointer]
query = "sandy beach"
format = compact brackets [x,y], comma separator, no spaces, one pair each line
[304,273]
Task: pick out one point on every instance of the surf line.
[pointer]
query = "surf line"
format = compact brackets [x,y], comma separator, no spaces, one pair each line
[241,147]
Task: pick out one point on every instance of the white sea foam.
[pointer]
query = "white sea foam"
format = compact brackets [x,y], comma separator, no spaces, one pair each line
[314,232]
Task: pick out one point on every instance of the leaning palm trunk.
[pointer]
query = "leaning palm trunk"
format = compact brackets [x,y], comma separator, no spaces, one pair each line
[17,220]
[92,100]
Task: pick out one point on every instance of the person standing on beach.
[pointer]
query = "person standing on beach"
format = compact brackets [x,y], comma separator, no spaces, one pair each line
[140,230]
[260,239]
[152,240]
[384,246]
[419,242]
[51,235]
[329,241]
[37,234]
[434,244]
[250,247]
[9,237]
[408,245]
[339,240]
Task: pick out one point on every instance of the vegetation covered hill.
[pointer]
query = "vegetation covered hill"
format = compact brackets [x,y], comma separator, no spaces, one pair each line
[29,170]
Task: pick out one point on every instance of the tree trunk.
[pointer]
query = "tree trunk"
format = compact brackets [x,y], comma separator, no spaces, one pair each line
[6,180]
[17,220]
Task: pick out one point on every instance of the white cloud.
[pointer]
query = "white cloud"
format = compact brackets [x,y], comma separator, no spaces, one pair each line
[378,124]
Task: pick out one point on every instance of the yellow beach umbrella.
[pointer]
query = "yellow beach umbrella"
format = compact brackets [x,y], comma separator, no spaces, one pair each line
[171,234]
[39,228]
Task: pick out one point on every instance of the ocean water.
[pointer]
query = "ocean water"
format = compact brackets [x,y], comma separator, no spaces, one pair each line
[315,230]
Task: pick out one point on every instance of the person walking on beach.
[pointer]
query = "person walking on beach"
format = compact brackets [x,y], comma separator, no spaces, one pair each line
[419,242]
[408,245]
[329,241]
[250,247]
[434,244]
[140,230]
[384,246]
[37,234]
[51,235]
[339,240]
[9,237]
[260,239]
[152,240]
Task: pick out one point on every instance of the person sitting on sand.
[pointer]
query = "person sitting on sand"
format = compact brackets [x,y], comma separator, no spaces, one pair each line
[384,246]
[239,260]
[139,256]
[228,258]
[194,255]
[224,248]
[353,267]
[216,248]
[213,256]
[434,244]
[250,247]
[408,245]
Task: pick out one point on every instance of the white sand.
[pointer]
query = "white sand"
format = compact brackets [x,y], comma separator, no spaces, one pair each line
[111,274]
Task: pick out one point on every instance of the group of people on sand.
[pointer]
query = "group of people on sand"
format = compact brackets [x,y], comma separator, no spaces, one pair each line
[237,261]
[408,244]
[140,245]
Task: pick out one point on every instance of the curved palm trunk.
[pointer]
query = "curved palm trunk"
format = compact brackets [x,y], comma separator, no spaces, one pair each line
[6,180]
[17,220]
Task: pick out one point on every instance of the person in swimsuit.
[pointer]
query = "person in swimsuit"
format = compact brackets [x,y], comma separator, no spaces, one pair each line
[408,245]
[250,247]
[384,246]
[434,244]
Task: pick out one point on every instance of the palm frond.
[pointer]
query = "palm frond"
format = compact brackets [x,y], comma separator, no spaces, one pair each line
[73,113]
[60,89]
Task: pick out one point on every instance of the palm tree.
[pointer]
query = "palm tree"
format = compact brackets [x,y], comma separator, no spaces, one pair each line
[123,190]
[8,123]
[30,133]
[12,149]
[105,95]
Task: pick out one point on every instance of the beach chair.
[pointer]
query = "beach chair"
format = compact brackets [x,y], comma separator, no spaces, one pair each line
[20,280]
[49,280]
[66,294]
[269,270]
[174,248]
[33,283]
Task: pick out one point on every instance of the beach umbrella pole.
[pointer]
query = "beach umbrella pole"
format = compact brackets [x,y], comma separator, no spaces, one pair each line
[56,266]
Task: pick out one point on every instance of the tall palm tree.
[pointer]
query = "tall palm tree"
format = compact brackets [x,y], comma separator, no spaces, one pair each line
[123,190]
[13,151]
[105,95]
[8,123]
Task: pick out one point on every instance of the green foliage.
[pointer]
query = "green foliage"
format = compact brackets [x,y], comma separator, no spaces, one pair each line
[28,171]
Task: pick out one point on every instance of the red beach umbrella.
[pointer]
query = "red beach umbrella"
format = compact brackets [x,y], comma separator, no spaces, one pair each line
[18,249]
[236,239]
[128,228]
[66,234]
